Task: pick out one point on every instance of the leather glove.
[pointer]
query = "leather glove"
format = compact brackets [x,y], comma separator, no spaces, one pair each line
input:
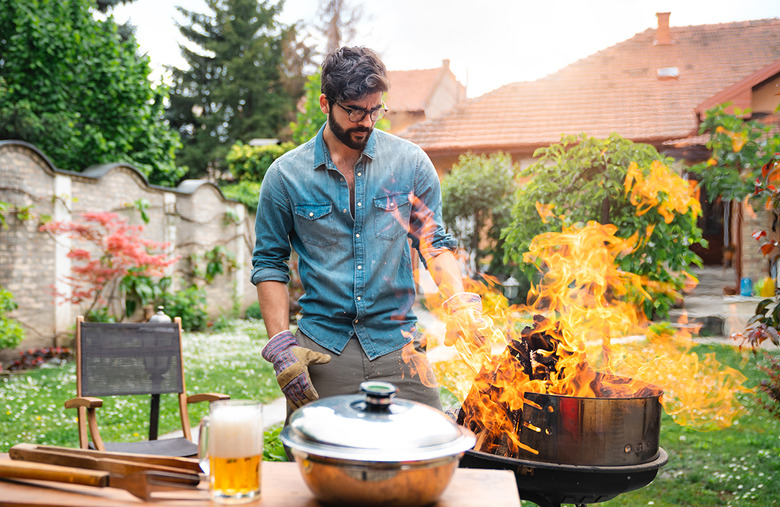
[291,364]
[467,328]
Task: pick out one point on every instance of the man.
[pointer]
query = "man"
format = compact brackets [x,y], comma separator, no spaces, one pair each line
[347,201]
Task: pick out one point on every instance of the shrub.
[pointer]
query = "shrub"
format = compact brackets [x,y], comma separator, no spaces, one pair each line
[249,163]
[190,305]
[11,332]
[253,311]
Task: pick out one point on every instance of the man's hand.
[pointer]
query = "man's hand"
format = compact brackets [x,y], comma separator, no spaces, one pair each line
[291,364]
[468,329]
[465,320]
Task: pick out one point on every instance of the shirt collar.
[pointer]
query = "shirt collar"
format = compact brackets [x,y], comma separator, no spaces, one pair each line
[321,156]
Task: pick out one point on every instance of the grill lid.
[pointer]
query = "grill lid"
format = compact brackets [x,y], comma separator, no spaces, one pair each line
[375,426]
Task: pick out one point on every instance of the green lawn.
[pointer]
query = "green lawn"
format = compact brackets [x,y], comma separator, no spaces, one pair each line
[737,466]
[227,362]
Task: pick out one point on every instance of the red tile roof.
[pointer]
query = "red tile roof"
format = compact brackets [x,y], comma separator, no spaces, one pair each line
[617,89]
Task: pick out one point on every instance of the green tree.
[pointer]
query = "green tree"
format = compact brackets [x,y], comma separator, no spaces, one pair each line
[309,117]
[477,200]
[73,87]
[612,181]
[235,87]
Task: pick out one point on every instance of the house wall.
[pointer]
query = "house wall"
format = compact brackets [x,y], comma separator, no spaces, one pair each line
[193,218]
[766,96]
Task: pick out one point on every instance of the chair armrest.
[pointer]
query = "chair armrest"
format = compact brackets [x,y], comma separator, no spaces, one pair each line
[87,417]
[84,401]
[197,398]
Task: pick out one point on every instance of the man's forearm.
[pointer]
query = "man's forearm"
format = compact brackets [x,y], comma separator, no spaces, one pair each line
[274,306]
[445,271]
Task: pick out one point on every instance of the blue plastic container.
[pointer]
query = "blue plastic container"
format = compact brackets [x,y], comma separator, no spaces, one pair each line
[746,287]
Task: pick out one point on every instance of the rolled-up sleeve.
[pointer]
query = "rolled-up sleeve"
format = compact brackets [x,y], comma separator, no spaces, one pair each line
[273,224]
[426,223]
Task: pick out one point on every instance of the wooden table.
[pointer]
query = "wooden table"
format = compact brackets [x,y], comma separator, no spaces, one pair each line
[283,486]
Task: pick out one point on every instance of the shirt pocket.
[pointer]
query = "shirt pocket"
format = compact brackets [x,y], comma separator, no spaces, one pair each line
[315,224]
[391,215]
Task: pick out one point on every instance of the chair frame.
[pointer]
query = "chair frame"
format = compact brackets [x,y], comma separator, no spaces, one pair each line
[87,406]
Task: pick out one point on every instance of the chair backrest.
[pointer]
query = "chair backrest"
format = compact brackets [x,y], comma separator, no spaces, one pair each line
[123,359]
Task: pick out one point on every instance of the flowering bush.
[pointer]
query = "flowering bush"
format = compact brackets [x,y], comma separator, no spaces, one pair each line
[35,358]
[114,268]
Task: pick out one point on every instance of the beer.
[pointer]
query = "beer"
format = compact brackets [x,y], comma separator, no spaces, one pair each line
[235,477]
[232,438]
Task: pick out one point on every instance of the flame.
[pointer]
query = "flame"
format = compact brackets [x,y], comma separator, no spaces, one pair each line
[580,330]
[578,321]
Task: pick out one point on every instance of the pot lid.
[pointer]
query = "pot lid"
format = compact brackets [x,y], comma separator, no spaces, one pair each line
[375,426]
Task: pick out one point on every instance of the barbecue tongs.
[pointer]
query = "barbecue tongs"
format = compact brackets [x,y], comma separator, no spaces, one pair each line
[140,475]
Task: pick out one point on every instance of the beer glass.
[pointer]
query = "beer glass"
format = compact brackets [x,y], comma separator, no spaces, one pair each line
[231,450]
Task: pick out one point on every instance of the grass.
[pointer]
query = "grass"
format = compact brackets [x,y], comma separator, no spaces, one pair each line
[737,466]
[227,361]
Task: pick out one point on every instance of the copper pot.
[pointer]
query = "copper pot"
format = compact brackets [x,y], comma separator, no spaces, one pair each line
[375,450]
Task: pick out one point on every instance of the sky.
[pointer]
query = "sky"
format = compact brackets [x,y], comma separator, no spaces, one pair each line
[489,43]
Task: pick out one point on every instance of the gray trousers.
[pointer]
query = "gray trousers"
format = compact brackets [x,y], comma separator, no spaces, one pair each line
[346,371]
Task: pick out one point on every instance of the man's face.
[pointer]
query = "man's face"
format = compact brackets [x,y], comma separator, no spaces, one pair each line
[351,134]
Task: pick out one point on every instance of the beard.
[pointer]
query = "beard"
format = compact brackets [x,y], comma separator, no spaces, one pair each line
[345,135]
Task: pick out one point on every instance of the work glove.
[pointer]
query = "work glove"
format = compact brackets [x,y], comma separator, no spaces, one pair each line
[467,328]
[291,364]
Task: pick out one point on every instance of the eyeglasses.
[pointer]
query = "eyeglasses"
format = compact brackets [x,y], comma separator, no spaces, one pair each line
[357,114]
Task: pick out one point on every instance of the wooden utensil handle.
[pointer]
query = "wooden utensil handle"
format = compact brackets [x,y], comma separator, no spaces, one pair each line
[42,472]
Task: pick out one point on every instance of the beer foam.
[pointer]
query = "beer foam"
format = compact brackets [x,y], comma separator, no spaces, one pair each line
[235,431]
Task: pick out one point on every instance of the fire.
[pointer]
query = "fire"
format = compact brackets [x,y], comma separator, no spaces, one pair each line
[579,323]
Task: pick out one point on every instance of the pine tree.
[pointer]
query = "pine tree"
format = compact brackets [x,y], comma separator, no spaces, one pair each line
[235,87]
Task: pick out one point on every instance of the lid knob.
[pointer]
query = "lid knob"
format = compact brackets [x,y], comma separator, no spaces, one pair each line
[160,317]
[379,395]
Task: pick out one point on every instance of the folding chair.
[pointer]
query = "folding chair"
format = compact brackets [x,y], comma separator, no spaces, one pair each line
[132,359]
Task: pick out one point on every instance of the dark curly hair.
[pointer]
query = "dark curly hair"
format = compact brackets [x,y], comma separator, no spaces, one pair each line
[351,73]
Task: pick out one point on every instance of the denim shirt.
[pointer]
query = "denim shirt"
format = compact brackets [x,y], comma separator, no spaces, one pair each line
[356,271]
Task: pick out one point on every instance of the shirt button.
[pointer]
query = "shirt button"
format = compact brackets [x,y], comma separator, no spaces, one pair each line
[360,267]
[357,235]
[356,321]
[343,211]
[360,204]
[360,174]
[311,214]
[358,298]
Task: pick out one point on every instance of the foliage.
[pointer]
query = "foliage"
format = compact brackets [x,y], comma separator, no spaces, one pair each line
[103,277]
[478,199]
[11,332]
[308,117]
[245,192]
[253,311]
[746,162]
[76,89]
[32,410]
[190,305]
[236,85]
[770,387]
[217,261]
[35,358]
[249,163]
[740,149]
[613,181]
[139,290]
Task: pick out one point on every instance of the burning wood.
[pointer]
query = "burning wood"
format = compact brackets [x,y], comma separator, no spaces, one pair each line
[534,362]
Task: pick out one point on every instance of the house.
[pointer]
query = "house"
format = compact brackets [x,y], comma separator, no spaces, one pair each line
[419,95]
[652,88]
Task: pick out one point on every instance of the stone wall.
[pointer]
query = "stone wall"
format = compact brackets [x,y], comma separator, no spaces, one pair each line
[193,218]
